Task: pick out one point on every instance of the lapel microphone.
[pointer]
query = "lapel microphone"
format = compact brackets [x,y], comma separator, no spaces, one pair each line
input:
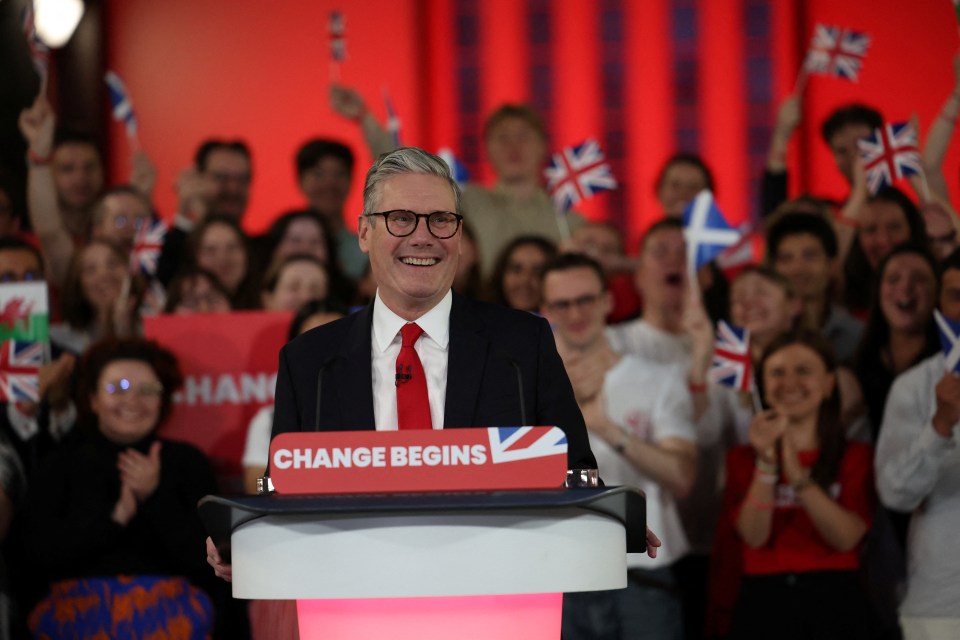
[402,376]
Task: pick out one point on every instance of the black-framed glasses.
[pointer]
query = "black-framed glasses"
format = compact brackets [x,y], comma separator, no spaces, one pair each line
[123,386]
[561,306]
[401,223]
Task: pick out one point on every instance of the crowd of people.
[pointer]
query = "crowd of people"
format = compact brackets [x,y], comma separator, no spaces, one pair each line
[819,505]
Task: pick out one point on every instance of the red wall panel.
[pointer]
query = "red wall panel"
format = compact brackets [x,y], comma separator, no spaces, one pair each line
[260,71]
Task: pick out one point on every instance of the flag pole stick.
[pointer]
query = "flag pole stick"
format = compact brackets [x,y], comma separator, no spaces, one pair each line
[924,187]
[801,82]
[755,395]
[562,224]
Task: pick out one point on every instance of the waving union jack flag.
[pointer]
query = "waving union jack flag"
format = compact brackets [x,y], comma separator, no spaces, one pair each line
[732,365]
[578,172]
[522,443]
[889,154]
[19,370]
[338,36]
[147,245]
[39,51]
[835,51]
[120,103]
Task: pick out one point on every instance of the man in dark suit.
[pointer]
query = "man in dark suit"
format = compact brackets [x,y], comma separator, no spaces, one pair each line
[477,357]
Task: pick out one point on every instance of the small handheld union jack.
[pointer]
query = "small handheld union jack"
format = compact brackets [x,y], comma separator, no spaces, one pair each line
[147,245]
[20,370]
[120,103]
[890,153]
[338,36]
[732,364]
[577,173]
[836,51]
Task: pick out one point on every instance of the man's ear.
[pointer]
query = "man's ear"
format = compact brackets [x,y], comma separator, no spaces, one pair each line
[363,232]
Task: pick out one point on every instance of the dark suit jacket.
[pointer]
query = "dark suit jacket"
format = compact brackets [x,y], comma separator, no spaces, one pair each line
[486,342]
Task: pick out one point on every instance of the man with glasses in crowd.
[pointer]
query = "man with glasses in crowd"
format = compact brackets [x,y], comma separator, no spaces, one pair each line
[640,439]
[218,183]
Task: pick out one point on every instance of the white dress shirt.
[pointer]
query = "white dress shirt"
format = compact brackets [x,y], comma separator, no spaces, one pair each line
[432,347]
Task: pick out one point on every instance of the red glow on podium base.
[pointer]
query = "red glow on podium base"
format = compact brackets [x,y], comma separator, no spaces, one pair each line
[523,617]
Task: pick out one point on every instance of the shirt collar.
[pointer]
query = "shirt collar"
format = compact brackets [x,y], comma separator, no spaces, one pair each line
[435,323]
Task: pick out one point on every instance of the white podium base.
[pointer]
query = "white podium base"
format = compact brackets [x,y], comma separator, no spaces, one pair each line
[396,556]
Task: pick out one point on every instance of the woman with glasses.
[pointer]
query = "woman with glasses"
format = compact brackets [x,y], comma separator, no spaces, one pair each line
[113,523]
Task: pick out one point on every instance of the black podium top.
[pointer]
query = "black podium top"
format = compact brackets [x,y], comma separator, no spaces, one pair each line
[222,514]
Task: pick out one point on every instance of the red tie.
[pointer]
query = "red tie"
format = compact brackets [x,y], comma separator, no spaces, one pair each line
[413,405]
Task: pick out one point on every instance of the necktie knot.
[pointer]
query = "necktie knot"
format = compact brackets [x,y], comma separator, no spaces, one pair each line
[410,333]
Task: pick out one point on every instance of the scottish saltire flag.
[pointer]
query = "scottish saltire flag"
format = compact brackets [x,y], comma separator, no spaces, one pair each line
[457,169]
[835,51]
[338,36]
[39,52]
[20,370]
[577,173]
[732,365]
[706,230]
[522,443]
[147,245]
[949,331]
[120,103]
[393,121]
[890,153]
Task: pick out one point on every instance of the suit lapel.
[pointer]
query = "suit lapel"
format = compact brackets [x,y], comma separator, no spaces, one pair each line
[465,364]
[353,378]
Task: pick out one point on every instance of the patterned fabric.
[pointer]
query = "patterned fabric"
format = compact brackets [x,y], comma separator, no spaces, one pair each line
[125,607]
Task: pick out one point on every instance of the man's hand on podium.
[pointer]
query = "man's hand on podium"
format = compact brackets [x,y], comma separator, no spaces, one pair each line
[225,571]
[653,543]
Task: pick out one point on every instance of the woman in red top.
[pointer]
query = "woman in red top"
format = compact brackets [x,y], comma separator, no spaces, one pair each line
[802,499]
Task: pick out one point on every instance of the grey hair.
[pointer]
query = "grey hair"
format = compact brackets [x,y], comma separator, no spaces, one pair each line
[403,161]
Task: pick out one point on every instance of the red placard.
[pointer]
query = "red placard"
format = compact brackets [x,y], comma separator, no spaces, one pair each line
[229,364]
[306,463]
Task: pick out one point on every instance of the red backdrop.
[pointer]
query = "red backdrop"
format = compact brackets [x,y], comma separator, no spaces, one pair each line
[647,78]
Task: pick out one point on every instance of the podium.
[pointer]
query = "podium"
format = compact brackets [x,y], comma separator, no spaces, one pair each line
[428,565]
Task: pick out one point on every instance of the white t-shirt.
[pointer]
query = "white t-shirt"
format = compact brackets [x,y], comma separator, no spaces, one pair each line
[256,453]
[651,401]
